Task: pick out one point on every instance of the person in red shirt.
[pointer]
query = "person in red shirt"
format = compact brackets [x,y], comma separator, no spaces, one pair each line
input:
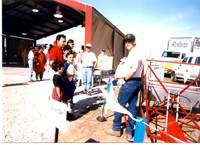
[56,53]
[41,61]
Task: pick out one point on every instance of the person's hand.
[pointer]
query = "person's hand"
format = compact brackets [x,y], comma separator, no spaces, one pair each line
[123,81]
[143,90]
[115,98]
[75,81]
[72,75]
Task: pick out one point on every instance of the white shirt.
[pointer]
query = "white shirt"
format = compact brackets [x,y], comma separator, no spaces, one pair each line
[102,55]
[88,59]
[30,55]
[119,71]
[78,59]
[47,54]
[71,70]
[135,61]
[79,65]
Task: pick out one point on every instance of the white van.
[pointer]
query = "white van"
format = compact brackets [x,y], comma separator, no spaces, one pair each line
[187,72]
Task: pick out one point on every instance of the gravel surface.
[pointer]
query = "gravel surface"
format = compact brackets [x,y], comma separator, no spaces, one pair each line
[25,108]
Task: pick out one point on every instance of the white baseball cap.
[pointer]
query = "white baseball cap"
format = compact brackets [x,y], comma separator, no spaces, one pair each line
[88,45]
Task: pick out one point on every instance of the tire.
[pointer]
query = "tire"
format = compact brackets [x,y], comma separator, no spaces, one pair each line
[173,77]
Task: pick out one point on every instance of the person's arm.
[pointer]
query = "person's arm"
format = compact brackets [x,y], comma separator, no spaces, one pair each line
[33,56]
[69,75]
[95,65]
[52,56]
[142,77]
[58,91]
[145,67]
[51,62]
[81,59]
[129,75]
[94,62]
[45,60]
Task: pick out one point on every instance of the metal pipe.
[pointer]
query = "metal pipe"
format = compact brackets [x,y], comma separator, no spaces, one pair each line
[166,122]
[177,109]
[190,84]
[158,79]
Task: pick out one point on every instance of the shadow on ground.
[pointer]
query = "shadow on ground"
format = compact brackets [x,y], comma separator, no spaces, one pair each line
[16,84]
[82,107]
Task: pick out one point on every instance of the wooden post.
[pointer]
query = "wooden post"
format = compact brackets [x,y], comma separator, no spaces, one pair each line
[56,134]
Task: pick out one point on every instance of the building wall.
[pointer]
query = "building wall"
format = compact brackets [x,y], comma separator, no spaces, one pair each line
[14,49]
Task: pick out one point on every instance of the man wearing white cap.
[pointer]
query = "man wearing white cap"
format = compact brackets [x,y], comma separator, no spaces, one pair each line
[89,62]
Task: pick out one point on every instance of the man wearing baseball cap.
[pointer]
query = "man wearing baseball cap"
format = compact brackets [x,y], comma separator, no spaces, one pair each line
[89,62]
[103,53]
[131,85]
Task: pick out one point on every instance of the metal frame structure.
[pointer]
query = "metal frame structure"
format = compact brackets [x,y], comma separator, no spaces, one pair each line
[167,106]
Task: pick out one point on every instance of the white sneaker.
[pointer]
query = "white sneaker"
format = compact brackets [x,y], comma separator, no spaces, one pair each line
[69,109]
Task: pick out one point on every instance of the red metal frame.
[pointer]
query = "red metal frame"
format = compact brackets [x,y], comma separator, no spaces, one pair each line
[172,62]
[88,16]
[155,110]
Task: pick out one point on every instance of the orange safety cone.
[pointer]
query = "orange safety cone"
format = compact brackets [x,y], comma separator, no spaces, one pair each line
[174,133]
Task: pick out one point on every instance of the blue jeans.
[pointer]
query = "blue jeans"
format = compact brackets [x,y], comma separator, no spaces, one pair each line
[128,93]
[87,79]
[30,64]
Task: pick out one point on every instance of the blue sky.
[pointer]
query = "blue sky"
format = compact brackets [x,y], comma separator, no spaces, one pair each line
[153,22]
[179,17]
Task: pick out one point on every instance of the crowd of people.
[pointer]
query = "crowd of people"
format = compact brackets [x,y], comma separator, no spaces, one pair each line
[59,60]
[65,72]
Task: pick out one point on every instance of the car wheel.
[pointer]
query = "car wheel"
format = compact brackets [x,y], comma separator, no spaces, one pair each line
[173,77]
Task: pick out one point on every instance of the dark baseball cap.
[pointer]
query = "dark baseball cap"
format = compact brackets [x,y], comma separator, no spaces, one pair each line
[129,36]
[103,50]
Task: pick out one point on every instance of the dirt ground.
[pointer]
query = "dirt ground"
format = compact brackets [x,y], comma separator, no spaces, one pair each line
[82,127]
[86,127]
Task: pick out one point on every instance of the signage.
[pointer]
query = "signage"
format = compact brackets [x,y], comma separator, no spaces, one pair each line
[105,62]
[181,45]
[58,112]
